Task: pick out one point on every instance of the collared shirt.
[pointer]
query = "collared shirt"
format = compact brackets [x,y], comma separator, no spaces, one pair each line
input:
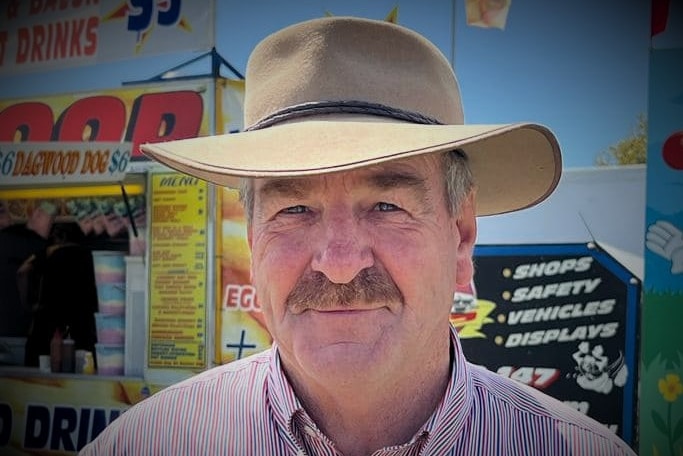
[248,407]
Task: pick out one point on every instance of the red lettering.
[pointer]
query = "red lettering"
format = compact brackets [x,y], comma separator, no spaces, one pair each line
[58,40]
[76,30]
[240,297]
[50,5]
[49,42]
[23,45]
[44,6]
[38,40]
[248,301]
[3,43]
[35,7]
[154,117]
[61,40]
[95,162]
[164,116]
[91,36]
[30,121]
[99,118]
[232,296]
[53,5]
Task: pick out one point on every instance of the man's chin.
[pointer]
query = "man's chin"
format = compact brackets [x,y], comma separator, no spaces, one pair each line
[341,352]
[343,361]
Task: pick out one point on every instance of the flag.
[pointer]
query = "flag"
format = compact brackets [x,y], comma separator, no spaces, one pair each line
[487,13]
[659,17]
[392,16]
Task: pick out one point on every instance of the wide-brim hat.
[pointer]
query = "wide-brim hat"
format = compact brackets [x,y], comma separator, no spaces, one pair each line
[338,93]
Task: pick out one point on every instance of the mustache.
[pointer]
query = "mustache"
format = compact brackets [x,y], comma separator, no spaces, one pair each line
[315,291]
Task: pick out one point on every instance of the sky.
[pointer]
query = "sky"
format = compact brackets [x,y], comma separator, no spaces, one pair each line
[579,67]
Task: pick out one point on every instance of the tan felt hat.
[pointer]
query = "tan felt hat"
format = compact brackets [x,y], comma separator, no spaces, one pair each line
[338,93]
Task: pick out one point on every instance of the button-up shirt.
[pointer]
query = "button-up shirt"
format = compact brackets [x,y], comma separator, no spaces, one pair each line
[248,407]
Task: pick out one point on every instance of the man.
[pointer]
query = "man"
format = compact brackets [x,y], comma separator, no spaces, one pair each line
[66,294]
[358,177]
[18,242]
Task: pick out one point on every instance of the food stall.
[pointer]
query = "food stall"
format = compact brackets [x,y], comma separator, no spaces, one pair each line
[151,233]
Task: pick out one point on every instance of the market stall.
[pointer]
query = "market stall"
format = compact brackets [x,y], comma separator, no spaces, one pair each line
[150,234]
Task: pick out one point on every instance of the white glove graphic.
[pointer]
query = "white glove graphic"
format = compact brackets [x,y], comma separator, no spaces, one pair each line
[666,240]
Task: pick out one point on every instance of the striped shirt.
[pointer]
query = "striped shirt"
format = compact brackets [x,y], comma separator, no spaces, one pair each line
[247,407]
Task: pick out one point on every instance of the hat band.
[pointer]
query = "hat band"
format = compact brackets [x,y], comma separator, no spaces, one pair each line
[340,107]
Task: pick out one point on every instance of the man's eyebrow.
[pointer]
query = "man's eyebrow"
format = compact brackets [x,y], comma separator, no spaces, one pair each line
[284,188]
[390,179]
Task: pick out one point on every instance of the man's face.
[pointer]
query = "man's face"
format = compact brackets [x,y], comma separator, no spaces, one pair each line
[355,271]
[41,222]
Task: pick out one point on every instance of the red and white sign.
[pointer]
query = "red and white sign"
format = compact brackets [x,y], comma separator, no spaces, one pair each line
[134,114]
[38,35]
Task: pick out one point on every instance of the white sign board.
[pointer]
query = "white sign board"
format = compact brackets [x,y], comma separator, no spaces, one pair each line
[39,35]
[38,163]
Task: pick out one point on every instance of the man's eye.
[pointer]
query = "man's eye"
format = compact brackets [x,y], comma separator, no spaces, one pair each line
[386,207]
[295,210]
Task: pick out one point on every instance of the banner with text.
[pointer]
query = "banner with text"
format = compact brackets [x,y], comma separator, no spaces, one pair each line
[240,330]
[34,164]
[39,35]
[57,414]
[561,318]
[135,114]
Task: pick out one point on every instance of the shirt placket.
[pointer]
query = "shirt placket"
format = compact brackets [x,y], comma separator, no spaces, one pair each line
[309,437]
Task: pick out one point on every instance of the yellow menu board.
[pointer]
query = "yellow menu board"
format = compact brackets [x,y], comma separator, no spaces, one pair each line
[177,274]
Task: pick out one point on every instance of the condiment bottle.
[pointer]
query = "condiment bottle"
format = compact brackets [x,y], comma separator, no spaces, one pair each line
[56,351]
[68,353]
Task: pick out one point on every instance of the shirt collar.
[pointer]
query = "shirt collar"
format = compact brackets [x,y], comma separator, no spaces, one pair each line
[439,432]
[282,401]
[449,418]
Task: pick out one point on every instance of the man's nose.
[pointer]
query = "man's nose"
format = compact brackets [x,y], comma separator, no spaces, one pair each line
[344,249]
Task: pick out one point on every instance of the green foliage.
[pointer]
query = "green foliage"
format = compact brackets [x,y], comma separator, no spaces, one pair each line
[660,326]
[629,151]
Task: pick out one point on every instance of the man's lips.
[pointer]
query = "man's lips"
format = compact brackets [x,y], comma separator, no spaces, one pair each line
[346,310]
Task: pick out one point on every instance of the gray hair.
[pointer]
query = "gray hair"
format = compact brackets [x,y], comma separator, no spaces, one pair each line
[457,174]
[458,177]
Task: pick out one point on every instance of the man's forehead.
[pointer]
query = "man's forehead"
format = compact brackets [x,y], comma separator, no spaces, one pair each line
[407,172]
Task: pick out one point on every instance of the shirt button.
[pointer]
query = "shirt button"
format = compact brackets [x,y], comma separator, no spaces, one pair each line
[310,431]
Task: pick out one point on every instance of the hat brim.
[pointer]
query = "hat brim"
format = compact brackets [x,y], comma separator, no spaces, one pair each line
[515,165]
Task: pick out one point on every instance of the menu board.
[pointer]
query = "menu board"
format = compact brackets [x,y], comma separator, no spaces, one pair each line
[560,318]
[177,277]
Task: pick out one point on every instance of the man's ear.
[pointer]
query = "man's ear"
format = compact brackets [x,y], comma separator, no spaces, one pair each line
[250,238]
[467,228]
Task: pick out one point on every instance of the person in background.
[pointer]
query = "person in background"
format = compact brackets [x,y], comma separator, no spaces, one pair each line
[67,294]
[80,209]
[361,185]
[17,243]
[5,217]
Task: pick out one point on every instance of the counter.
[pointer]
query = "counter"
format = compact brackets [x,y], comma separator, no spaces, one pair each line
[60,412]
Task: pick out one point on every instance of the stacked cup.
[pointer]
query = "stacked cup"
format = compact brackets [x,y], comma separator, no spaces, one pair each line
[110,278]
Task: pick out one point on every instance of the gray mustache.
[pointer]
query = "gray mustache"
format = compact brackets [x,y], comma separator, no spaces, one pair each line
[315,291]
